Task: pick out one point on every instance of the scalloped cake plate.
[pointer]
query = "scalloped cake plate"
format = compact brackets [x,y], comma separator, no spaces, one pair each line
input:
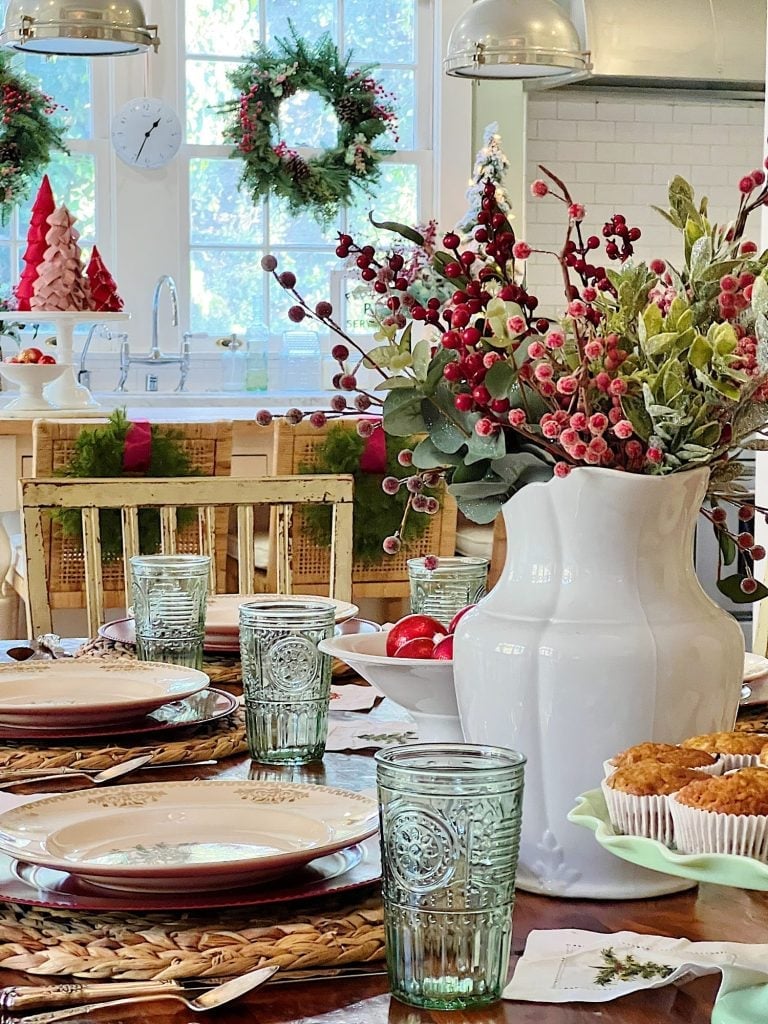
[75,691]
[163,837]
[717,868]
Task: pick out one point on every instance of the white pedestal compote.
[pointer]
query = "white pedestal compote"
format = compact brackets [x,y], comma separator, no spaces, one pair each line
[64,393]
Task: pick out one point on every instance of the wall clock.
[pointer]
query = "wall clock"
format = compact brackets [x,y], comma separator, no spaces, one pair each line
[146,133]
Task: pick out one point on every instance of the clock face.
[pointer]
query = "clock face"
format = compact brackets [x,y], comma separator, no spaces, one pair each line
[146,133]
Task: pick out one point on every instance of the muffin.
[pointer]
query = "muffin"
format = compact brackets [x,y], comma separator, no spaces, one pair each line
[736,749]
[636,796]
[727,814]
[665,753]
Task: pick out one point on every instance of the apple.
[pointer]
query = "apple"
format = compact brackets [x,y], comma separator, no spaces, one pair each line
[30,355]
[443,649]
[46,360]
[412,627]
[458,617]
[419,647]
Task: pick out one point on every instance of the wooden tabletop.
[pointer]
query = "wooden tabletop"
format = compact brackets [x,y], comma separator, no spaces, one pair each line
[706,913]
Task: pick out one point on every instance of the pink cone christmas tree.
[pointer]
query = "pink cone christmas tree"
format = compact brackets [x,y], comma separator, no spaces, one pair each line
[61,284]
[42,209]
[104,295]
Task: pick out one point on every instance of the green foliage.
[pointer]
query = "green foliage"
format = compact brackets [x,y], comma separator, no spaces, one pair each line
[322,183]
[99,453]
[376,515]
[28,135]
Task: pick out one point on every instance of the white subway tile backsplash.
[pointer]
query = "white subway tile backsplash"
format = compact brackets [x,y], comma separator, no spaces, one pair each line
[617,154]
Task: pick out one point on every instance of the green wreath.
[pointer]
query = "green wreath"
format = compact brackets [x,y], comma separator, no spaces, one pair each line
[320,184]
[376,515]
[28,133]
[99,453]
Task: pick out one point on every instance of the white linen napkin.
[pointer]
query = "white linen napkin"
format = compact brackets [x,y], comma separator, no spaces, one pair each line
[569,965]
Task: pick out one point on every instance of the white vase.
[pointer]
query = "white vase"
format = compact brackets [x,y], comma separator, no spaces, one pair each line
[597,636]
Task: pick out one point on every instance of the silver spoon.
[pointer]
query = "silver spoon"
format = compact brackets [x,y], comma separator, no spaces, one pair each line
[210,1000]
[115,771]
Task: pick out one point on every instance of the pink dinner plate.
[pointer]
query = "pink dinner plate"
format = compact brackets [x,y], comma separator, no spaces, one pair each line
[351,868]
[206,706]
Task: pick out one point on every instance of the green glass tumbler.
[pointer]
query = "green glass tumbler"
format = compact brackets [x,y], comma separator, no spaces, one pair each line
[286,679]
[450,831]
[454,583]
[169,594]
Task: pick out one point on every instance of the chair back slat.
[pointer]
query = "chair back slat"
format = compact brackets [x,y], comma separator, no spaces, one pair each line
[94,582]
[130,522]
[284,563]
[207,527]
[168,530]
[38,609]
[246,557]
[209,495]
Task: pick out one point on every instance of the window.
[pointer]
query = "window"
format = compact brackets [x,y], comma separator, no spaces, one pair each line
[188,219]
[73,176]
[227,234]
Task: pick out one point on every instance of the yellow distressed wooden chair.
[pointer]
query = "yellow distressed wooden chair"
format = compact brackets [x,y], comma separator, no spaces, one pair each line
[296,447]
[207,495]
[209,449]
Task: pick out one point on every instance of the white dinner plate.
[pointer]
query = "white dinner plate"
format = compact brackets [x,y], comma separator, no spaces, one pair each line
[755,666]
[160,837]
[78,691]
[222,613]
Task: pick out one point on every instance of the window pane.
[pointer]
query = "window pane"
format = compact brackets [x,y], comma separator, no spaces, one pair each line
[5,283]
[313,282]
[218,211]
[226,291]
[381,30]
[311,19]
[305,119]
[396,199]
[287,228]
[401,85]
[207,88]
[225,27]
[73,180]
[68,81]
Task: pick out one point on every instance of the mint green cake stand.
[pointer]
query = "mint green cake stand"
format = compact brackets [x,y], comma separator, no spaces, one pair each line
[738,1001]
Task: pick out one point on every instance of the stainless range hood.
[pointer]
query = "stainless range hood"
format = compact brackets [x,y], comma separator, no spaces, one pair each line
[714,45]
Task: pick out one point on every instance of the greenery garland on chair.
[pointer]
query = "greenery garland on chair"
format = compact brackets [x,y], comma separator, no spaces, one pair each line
[376,515]
[99,453]
[320,184]
[28,133]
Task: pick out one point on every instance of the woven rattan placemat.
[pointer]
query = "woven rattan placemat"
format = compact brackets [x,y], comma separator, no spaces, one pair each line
[200,944]
[215,741]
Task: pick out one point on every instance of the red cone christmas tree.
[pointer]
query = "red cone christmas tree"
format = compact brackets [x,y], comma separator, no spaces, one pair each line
[42,209]
[104,294]
[61,284]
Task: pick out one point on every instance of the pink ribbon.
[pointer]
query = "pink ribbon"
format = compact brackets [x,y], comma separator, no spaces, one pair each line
[137,450]
[374,456]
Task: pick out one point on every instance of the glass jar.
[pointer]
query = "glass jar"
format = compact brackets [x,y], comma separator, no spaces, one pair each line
[443,591]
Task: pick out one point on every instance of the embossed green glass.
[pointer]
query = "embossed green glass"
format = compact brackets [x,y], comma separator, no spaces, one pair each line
[446,589]
[286,680]
[450,831]
[169,594]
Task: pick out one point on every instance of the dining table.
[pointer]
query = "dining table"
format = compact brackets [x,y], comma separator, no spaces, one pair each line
[706,913]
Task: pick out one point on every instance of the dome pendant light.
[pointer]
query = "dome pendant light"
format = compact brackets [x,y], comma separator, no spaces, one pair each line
[78,28]
[530,39]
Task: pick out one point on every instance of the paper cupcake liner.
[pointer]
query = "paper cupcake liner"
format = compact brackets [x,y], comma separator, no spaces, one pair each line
[702,831]
[733,761]
[609,767]
[639,815]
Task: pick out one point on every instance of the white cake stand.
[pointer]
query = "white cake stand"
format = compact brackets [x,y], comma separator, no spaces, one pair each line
[65,393]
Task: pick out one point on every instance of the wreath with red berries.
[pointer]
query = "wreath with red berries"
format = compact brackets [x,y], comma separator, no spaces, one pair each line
[318,184]
[28,133]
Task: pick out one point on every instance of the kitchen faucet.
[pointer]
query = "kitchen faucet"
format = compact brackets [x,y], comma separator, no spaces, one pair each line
[155,357]
[84,375]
